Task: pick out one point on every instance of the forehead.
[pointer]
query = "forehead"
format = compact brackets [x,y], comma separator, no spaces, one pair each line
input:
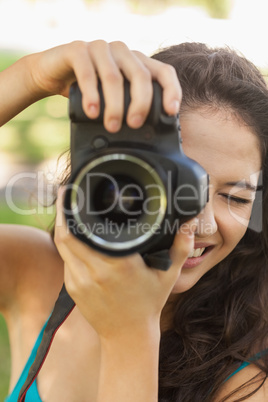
[221,143]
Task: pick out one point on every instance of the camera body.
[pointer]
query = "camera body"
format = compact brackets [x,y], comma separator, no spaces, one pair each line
[130,191]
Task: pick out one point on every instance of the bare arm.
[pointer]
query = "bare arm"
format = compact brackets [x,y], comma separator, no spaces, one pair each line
[15,91]
[29,266]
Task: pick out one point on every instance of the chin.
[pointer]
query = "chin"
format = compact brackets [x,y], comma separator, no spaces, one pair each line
[186,281]
[182,287]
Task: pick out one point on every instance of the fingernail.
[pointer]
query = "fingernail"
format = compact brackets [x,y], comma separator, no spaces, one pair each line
[175,105]
[136,120]
[93,111]
[113,125]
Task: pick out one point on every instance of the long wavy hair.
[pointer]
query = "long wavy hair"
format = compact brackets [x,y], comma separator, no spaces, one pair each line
[223,320]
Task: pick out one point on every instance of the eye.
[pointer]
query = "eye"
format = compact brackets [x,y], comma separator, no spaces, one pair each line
[236,200]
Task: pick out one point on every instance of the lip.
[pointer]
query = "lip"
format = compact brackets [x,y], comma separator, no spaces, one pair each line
[194,261]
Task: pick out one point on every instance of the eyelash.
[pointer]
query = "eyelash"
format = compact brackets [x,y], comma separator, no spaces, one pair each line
[237,200]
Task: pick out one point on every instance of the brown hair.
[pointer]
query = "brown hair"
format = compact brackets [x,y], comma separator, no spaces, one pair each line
[221,321]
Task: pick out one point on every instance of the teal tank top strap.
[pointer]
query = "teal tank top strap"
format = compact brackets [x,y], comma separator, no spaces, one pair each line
[32,395]
[254,358]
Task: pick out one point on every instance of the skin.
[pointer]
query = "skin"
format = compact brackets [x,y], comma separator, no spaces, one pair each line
[115,357]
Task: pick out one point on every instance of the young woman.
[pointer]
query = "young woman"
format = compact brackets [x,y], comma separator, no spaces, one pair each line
[197,332]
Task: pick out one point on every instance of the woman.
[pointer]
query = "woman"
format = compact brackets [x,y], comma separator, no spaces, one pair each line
[204,321]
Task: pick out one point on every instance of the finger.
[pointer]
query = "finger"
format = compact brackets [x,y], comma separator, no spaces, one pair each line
[141,89]
[183,242]
[62,233]
[167,77]
[65,241]
[112,84]
[75,271]
[79,59]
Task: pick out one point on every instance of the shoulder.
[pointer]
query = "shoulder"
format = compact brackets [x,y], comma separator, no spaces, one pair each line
[17,240]
[29,264]
[247,380]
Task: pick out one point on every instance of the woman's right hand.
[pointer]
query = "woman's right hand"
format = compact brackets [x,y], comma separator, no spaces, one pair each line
[52,71]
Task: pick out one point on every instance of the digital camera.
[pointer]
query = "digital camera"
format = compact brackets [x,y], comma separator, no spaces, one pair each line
[130,191]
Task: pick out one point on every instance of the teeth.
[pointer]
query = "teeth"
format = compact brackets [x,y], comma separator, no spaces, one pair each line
[196,252]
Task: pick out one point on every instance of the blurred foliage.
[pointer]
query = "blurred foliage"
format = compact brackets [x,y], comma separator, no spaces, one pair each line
[215,8]
[43,218]
[7,58]
[40,132]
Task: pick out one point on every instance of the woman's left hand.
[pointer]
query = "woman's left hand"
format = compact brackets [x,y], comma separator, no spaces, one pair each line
[116,294]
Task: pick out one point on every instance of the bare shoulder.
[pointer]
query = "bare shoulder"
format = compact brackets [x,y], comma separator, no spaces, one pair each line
[255,379]
[22,236]
[29,261]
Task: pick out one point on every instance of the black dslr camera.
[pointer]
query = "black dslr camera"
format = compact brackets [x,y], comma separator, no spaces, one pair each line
[130,191]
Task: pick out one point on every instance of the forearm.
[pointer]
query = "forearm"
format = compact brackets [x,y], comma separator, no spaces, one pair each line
[17,90]
[129,368]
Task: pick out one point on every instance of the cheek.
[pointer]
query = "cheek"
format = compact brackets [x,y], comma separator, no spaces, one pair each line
[239,215]
[232,227]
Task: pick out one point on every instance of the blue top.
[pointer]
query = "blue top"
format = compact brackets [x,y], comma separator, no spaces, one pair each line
[32,394]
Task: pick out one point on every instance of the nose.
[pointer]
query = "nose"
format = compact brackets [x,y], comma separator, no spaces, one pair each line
[206,222]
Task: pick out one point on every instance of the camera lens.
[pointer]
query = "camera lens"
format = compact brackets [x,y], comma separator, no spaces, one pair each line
[119,200]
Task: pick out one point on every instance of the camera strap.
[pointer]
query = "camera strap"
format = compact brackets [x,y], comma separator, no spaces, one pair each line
[63,307]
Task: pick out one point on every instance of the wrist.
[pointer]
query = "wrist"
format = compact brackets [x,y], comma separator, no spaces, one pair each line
[142,335]
[35,90]
[18,90]
[129,367]
[126,330]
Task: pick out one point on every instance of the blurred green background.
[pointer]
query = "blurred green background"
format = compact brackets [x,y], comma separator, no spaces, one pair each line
[38,135]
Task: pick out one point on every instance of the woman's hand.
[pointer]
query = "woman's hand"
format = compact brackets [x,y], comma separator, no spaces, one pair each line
[53,71]
[56,69]
[116,295]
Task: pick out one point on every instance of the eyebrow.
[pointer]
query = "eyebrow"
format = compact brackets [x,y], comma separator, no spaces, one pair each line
[243,184]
